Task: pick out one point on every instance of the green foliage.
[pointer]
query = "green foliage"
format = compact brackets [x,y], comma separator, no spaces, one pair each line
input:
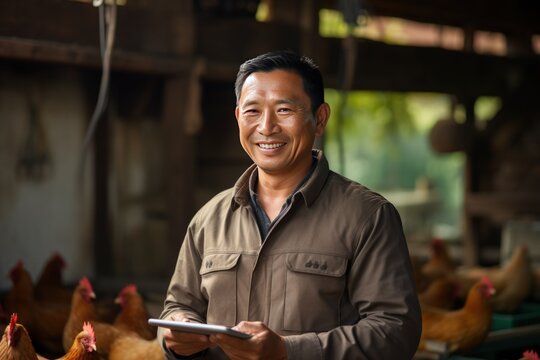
[386,145]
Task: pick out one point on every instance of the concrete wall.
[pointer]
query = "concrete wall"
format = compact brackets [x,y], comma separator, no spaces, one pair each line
[53,213]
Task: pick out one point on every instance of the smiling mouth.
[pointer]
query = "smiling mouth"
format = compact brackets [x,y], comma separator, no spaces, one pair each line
[270,146]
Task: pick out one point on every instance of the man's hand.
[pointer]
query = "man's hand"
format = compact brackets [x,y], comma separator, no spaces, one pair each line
[264,343]
[183,343]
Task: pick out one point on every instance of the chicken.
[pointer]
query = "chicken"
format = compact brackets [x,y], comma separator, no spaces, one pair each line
[530,355]
[460,329]
[83,310]
[442,293]
[134,315]
[513,281]
[135,348]
[49,286]
[16,343]
[84,345]
[44,323]
[439,264]
[21,293]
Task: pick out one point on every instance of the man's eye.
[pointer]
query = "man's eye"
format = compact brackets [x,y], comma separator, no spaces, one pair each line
[250,111]
[284,110]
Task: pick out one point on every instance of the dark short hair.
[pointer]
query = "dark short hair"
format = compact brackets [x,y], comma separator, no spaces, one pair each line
[285,60]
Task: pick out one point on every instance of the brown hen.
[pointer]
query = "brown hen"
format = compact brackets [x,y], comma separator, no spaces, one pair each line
[84,345]
[16,343]
[513,281]
[45,323]
[135,348]
[460,329]
[83,310]
[134,315]
[440,263]
[50,286]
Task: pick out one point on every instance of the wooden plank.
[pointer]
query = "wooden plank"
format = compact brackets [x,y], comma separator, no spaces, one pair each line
[236,40]
[407,68]
[501,207]
[497,15]
[89,56]
[180,162]
[152,28]
[380,67]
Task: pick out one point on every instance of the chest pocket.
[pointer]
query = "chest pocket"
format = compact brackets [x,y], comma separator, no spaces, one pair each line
[315,285]
[219,284]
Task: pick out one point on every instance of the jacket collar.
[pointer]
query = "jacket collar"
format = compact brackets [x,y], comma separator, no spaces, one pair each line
[309,191]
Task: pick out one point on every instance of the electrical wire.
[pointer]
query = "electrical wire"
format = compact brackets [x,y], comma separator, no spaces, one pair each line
[108,23]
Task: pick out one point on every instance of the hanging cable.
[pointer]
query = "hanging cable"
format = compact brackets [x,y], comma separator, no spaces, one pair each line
[107,27]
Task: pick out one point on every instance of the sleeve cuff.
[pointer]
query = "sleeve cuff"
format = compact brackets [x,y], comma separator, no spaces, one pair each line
[305,346]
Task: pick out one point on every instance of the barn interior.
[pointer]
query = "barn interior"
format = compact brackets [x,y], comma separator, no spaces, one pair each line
[117,125]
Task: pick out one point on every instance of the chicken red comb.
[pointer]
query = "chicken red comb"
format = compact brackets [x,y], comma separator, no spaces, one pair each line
[437,245]
[131,288]
[89,329]
[486,280]
[11,329]
[16,270]
[58,259]
[489,290]
[84,282]
[531,355]
[12,321]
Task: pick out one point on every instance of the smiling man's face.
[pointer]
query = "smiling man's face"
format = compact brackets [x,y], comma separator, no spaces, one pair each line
[277,127]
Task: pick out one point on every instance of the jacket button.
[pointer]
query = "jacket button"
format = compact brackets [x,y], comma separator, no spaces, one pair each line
[324,266]
[315,265]
[308,264]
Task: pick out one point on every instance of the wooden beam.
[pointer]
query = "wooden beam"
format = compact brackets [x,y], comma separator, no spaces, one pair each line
[157,28]
[180,159]
[380,66]
[501,207]
[89,56]
[498,15]
[407,68]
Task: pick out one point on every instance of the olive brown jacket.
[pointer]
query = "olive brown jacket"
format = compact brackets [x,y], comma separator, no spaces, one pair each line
[333,275]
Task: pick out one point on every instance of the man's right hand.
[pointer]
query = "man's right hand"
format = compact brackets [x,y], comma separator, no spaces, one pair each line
[183,343]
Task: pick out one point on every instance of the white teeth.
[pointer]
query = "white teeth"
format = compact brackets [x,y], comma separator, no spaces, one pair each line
[271,146]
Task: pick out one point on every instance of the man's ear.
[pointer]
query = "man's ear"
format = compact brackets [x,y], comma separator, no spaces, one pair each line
[321,118]
[236,112]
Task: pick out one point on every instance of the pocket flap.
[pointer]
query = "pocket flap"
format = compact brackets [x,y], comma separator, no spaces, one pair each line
[319,264]
[218,262]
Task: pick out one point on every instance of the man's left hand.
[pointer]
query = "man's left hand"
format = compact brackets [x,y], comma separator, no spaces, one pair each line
[263,344]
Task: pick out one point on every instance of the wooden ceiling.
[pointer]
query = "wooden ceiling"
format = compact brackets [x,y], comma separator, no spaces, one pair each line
[506,16]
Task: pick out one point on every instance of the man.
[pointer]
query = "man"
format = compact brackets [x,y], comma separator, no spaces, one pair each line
[311,264]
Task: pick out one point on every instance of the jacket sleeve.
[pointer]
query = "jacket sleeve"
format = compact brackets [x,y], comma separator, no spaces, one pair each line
[381,287]
[183,294]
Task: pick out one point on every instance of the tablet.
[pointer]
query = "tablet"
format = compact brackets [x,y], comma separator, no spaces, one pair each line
[197,328]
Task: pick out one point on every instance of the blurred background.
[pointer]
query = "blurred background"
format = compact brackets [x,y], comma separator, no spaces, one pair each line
[117,122]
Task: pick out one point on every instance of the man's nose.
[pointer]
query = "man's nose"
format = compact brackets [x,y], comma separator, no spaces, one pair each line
[268,124]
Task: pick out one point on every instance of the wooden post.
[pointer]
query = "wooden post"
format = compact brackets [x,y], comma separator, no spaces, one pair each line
[180,160]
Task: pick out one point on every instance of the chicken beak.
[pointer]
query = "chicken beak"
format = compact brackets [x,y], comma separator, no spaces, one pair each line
[92,295]
[117,300]
[94,347]
[492,291]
